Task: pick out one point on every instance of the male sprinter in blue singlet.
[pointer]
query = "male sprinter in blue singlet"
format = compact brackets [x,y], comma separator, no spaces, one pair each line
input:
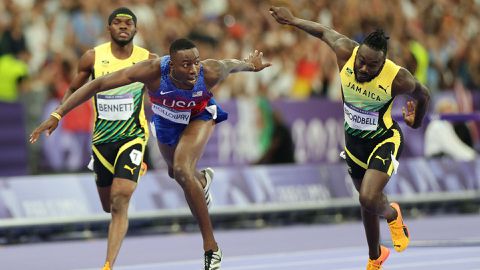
[121,130]
[373,140]
[185,115]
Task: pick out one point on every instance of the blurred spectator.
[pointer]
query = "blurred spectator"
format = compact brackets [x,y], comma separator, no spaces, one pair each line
[467,131]
[441,140]
[13,55]
[37,36]
[307,71]
[87,25]
[12,72]
[469,70]
[276,139]
[69,150]
[435,40]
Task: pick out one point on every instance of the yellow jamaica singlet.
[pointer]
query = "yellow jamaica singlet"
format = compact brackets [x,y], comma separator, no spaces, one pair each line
[367,106]
[119,112]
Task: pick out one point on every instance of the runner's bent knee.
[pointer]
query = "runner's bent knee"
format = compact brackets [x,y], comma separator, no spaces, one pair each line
[369,200]
[182,174]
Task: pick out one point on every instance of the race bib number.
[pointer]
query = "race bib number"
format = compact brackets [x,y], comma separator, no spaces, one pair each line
[136,157]
[360,119]
[115,107]
[181,117]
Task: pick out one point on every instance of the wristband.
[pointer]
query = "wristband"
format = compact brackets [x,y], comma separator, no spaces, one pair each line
[56,115]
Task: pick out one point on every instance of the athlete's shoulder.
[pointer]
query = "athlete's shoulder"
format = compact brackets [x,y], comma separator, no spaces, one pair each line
[140,54]
[89,54]
[103,50]
[87,60]
[390,70]
[141,49]
[102,46]
[212,67]
[344,48]
[345,51]
[404,82]
[391,63]
[164,61]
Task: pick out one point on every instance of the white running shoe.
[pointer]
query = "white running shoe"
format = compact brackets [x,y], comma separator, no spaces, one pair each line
[208,172]
[213,259]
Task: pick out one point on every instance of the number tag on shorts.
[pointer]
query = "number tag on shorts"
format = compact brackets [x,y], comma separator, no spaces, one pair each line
[360,119]
[136,157]
[115,107]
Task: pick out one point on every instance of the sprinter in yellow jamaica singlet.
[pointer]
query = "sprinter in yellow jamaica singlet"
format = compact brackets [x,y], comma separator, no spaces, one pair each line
[120,131]
[373,140]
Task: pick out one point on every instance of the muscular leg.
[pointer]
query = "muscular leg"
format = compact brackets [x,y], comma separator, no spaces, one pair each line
[371,225]
[187,153]
[115,200]
[104,193]
[168,153]
[374,203]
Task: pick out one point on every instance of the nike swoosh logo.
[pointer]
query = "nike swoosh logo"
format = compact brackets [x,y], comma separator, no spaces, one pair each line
[164,93]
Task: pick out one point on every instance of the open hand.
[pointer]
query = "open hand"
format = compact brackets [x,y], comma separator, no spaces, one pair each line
[255,59]
[282,15]
[409,113]
[48,125]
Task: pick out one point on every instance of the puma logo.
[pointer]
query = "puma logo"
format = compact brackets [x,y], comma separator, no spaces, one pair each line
[129,168]
[383,160]
[384,89]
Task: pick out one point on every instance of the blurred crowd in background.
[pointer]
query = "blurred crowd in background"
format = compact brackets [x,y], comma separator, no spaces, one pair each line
[41,41]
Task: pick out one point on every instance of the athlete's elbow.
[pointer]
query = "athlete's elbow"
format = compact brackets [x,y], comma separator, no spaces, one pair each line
[425,96]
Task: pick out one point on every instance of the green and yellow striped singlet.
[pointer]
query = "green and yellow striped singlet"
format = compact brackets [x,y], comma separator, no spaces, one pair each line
[367,106]
[119,112]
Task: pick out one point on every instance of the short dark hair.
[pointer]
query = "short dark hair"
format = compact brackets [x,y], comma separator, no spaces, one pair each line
[122,11]
[181,44]
[377,40]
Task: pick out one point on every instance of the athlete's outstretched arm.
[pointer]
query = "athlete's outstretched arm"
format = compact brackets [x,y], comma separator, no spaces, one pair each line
[143,72]
[406,84]
[339,43]
[139,72]
[217,70]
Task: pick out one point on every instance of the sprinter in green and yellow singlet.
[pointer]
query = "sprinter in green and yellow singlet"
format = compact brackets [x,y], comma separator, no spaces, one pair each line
[373,140]
[120,131]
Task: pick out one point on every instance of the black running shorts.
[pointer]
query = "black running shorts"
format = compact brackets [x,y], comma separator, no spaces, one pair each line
[121,159]
[380,154]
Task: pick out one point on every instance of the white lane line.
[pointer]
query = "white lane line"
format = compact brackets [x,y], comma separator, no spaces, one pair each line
[286,256]
[429,264]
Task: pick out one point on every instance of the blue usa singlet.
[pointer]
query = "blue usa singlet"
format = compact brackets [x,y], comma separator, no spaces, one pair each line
[175,108]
